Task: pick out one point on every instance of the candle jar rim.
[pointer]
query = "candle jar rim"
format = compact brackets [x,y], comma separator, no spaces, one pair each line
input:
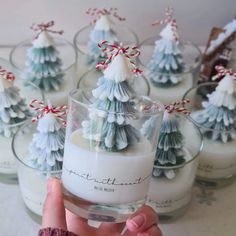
[190,69]
[94,69]
[157,105]
[75,39]
[28,43]
[20,159]
[185,96]
[190,160]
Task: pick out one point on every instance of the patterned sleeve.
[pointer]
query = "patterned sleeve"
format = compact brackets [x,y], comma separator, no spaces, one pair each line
[55,232]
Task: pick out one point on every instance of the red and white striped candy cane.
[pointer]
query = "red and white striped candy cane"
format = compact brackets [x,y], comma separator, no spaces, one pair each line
[43,109]
[111,51]
[222,71]
[96,13]
[39,28]
[168,13]
[6,75]
[178,107]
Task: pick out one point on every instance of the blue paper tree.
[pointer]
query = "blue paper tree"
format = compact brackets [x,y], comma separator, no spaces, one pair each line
[110,115]
[43,66]
[47,146]
[13,108]
[167,59]
[102,31]
[219,114]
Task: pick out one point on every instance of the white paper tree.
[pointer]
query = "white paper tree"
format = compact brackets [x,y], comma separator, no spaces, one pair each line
[47,146]
[43,66]
[167,59]
[219,114]
[13,108]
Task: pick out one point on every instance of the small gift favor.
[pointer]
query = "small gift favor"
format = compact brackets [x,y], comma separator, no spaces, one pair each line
[107,161]
[39,148]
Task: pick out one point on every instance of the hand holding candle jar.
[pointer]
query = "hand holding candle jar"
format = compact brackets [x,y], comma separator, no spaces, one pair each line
[108,162]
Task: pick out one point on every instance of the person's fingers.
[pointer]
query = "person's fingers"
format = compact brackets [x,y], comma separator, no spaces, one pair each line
[78,225]
[111,228]
[142,219]
[53,209]
[153,231]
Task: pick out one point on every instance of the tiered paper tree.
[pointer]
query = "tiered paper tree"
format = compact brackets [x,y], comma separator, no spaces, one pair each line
[170,146]
[43,66]
[167,59]
[13,109]
[102,31]
[47,146]
[110,115]
[219,112]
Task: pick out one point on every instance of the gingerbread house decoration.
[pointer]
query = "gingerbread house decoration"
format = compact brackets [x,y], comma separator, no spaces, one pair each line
[220,49]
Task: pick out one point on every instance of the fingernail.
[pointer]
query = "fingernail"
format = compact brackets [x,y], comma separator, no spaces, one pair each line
[49,185]
[138,220]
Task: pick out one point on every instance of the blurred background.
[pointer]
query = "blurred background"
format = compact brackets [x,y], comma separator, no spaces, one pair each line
[195,18]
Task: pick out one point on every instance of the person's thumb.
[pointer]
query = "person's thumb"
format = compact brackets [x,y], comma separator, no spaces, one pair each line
[53,209]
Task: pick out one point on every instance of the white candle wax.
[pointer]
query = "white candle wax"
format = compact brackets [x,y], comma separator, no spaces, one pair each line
[7,160]
[170,94]
[217,159]
[106,177]
[168,195]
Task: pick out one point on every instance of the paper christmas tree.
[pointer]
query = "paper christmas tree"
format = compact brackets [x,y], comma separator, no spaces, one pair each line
[43,66]
[13,109]
[110,115]
[47,146]
[219,112]
[102,31]
[167,59]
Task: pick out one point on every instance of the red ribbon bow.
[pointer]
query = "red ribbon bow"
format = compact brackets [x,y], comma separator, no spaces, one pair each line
[39,28]
[168,13]
[7,75]
[59,112]
[96,13]
[221,71]
[112,50]
[178,107]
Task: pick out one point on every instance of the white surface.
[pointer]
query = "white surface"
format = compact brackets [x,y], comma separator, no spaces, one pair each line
[199,220]
[195,18]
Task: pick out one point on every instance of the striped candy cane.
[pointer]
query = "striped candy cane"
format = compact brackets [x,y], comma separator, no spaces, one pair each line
[7,75]
[112,50]
[96,13]
[178,107]
[221,71]
[168,13]
[39,28]
[43,109]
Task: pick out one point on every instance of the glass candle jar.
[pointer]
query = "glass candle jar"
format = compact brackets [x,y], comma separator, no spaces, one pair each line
[7,161]
[170,191]
[187,78]
[138,82]
[217,161]
[67,54]
[32,181]
[105,184]
[85,61]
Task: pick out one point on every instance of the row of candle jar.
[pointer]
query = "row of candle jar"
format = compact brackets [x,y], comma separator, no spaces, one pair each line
[168,196]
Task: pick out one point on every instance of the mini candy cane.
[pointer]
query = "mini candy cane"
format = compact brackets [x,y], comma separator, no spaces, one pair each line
[168,13]
[96,13]
[39,28]
[221,71]
[112,51]
[178,107]
[7,75]
[45,109]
